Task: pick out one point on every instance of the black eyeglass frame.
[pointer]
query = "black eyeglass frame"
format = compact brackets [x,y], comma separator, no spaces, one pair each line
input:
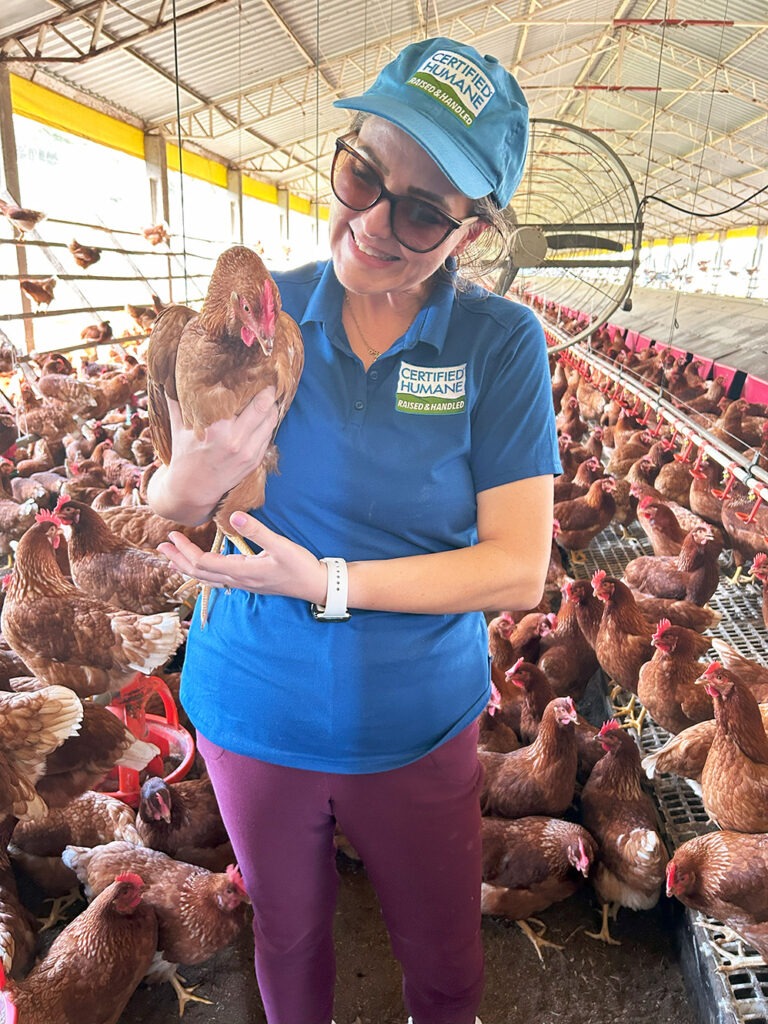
[342,146]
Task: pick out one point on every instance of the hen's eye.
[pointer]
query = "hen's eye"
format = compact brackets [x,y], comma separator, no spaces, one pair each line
[246,308]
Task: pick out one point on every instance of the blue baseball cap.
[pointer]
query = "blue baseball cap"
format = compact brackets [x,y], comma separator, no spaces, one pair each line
[465,110]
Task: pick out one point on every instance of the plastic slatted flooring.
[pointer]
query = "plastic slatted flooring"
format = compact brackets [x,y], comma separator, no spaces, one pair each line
[728,977]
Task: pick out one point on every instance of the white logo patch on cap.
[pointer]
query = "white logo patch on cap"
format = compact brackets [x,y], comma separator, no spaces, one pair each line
[456,82]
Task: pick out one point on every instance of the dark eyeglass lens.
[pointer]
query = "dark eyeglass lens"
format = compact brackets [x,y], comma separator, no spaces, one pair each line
[415,224]
[354,182]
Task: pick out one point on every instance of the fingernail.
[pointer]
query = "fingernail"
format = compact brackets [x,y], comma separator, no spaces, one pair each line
[238,519]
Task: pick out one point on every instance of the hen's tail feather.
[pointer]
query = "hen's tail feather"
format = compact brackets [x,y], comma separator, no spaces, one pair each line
[147,641]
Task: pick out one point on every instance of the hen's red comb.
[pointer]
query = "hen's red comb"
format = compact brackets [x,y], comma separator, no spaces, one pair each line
[45,516]
[662,628]
[6,581]
[759,560]
[608,726]
[63,499]
[598,576]
[714,666]
[646,501]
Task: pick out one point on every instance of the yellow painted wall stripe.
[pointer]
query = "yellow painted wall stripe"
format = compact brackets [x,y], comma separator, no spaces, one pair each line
[48,107]
[197,166]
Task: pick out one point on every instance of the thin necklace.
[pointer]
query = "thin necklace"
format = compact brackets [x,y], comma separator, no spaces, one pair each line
[371,351]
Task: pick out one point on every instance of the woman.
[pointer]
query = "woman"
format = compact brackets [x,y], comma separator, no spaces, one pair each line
[417,458]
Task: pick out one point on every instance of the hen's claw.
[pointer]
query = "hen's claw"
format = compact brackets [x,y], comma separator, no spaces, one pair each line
[184,995]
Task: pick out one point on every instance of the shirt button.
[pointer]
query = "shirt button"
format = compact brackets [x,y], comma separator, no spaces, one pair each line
[359,405]
[374,374]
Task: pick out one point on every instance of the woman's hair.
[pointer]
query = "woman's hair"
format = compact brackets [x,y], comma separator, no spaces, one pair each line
[490,250]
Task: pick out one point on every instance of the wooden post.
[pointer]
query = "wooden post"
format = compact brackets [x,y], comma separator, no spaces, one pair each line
[12,184]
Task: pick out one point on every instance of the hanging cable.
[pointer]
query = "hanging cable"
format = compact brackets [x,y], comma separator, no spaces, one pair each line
[181,151]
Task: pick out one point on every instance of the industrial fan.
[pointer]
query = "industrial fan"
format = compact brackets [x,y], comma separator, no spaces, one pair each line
[576,229]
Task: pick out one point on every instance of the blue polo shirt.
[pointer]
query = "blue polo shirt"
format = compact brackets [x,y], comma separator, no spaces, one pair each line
[376,464]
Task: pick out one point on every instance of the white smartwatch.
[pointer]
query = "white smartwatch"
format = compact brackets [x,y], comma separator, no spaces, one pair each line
[335,607]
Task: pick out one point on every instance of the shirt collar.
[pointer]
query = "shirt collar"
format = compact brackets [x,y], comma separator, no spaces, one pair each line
[430,324]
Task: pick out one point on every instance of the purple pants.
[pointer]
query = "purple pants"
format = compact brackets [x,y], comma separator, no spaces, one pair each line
[417,829]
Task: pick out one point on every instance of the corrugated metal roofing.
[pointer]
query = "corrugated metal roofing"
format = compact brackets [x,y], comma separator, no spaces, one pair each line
[250,74]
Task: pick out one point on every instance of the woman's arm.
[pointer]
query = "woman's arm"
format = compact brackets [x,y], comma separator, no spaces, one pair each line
[188,489]
[505,569]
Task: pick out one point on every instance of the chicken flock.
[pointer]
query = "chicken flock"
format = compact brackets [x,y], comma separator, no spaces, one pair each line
[90,609]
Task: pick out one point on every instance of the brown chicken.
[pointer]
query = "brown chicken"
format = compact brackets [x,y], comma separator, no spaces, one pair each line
[680,613]
[40,291]
[95,964]
[582,518]
[498,724]
[509,640]
[531,863]
[622,818]
[15,519]
[746,526]
[588,607]
[215,362]
[725,875]
[760,573]
[734,781]
[623,640]
[566,657]
[144,316]
[589,471]
[540,778]
[183,820]
[667,683]
[21,218]
[105,567]
[156,234]
[18,927]
[660,526]
[748,671]
[82,761]
[692,576]
[67,637]
[97,334]
[89,820]
[199,912]
[537,694]
[32,725]
[85,255]
[140,526]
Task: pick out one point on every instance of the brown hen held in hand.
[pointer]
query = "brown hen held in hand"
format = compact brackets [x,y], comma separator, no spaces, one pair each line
[215,362]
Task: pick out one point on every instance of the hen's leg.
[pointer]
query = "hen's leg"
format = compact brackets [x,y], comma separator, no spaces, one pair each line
[536,935]
[184,995]
[604,935]
[58,906]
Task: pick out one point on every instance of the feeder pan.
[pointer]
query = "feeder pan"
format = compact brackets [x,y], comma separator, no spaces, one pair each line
[164,731]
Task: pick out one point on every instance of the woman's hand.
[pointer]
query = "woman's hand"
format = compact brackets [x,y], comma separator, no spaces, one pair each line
[281,567]
[201,470]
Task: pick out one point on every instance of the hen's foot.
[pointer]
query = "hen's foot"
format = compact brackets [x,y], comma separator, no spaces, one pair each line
[738,577]
[577,557]
[604,935]
[58,906]
[184,995]
[536,935]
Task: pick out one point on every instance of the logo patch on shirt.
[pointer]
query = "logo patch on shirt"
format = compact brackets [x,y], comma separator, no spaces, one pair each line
[456,82]
[431,390]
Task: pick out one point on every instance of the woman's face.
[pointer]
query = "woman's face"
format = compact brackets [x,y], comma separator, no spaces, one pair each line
[367,257]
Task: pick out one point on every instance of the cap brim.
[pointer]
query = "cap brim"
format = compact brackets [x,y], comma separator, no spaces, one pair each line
[451,160]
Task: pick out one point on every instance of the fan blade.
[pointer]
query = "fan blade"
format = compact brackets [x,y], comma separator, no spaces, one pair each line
[583,242]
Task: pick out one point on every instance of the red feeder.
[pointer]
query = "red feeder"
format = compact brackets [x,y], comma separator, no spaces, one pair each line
[164,731]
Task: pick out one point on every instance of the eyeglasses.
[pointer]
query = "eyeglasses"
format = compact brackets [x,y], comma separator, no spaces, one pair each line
[417,225]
